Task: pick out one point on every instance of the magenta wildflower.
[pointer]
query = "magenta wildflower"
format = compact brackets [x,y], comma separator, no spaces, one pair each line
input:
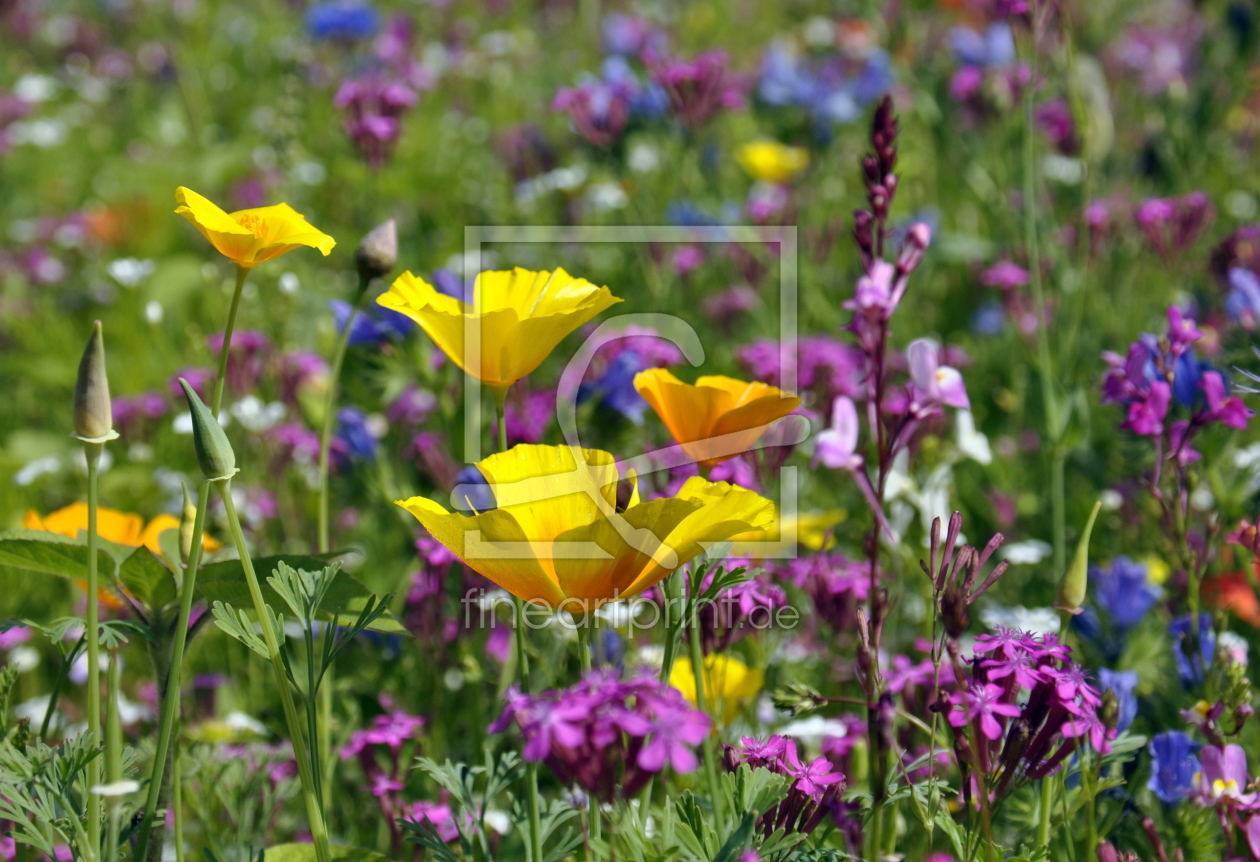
[1223,778]
[813,777]
[1005,275]
[981,703]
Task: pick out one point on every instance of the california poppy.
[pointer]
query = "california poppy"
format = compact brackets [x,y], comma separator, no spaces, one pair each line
[520,317]
[253,236]
[717,418]
[555,538]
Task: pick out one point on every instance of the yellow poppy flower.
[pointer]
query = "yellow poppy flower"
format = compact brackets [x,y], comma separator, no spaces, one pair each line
[521,317]
[556,539]
[813,531]
[123,528]
[772,162]
[727,681]
[253,236]
[717,418]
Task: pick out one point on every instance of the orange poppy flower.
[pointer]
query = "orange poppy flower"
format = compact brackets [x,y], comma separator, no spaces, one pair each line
[717,418]
[1233,592]
[123,528]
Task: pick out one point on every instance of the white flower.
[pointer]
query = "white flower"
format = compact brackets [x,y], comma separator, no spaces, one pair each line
[812,730]
[1038,621]
[256,415]
[971,442]
[24,658]
[499,821]
[241,721]
[130,271]
[1027,552]
[34,469]
[117,788]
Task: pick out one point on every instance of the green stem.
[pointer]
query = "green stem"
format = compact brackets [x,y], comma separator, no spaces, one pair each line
[171,689]
[314,813]
[1043,812]
[697,669]
[330,405]
[93,453]
[177,800]
[113,728]
[1045,362]
[531,769]
[62,672]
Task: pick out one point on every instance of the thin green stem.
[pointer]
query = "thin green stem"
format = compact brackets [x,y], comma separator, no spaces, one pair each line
[93,453]
[501,424]
[171,688]
[531,769]
[177,800]
[584,659]
[314,813]
[62,672]
[1043,812]
[330,410]
[113,728]
[697,669]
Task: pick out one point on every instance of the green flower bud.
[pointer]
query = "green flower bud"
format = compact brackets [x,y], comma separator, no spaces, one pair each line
[377,253]
[93,419]
[1076,578]
[214,452]
[187,520]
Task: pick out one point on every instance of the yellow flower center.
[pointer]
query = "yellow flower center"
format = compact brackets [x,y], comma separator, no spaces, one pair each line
[1224,788]
[251,221]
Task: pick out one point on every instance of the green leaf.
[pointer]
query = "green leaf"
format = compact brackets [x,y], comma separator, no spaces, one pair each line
[148,579]
[50,554]
[237,624]
[347,596]
[306,853]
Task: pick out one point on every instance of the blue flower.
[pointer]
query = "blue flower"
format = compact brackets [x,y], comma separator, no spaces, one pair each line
[1122,683]
[449,283]
[472,492]
[1192,668]
[1173,766]
[1187,380]
[996,47]
[1243,301]
[370,327]
[989,319]
[353,435]
[1123,591]
[833,91]
[615,387]
[342,21]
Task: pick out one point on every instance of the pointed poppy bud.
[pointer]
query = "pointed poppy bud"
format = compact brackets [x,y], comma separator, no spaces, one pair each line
[377,253]
[214,452]
[1076,578]
[93,420]
[187,521]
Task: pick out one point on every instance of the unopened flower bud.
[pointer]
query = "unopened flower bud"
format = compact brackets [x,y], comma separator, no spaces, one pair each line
[1072,588]
[214,452]
[913,249]
[93,420]
[186,521]
[377,253]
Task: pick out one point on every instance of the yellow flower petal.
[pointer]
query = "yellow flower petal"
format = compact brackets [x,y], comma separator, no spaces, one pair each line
[567,546]
[253,236]
[517,317]
[772,162]
[727,681]
[716,419]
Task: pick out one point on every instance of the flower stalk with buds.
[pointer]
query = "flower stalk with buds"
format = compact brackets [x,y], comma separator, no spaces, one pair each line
[218,464]
[93,426]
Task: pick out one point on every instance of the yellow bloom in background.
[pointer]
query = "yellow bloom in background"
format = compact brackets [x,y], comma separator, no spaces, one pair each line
[814,531]
[717,418]
[1157,570]
[554,538]
[772,162]
[727,681]
[123,528]
[520,315]
[254,236]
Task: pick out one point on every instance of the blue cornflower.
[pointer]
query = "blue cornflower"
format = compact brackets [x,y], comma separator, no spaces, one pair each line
[1173,766]
[472,491]
[1122,683]
[832,91]
[342,21]
[1123,591]
[615,387]
[1243,301]
[450,284]
[995,47]
[989,319]
[355,438]
[370,327]
[1187,380]
[1191,668]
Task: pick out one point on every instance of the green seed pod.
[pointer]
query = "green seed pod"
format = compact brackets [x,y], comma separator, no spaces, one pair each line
[93,419]
[377,253]
[214,452]
[1072,588]
[187,520]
